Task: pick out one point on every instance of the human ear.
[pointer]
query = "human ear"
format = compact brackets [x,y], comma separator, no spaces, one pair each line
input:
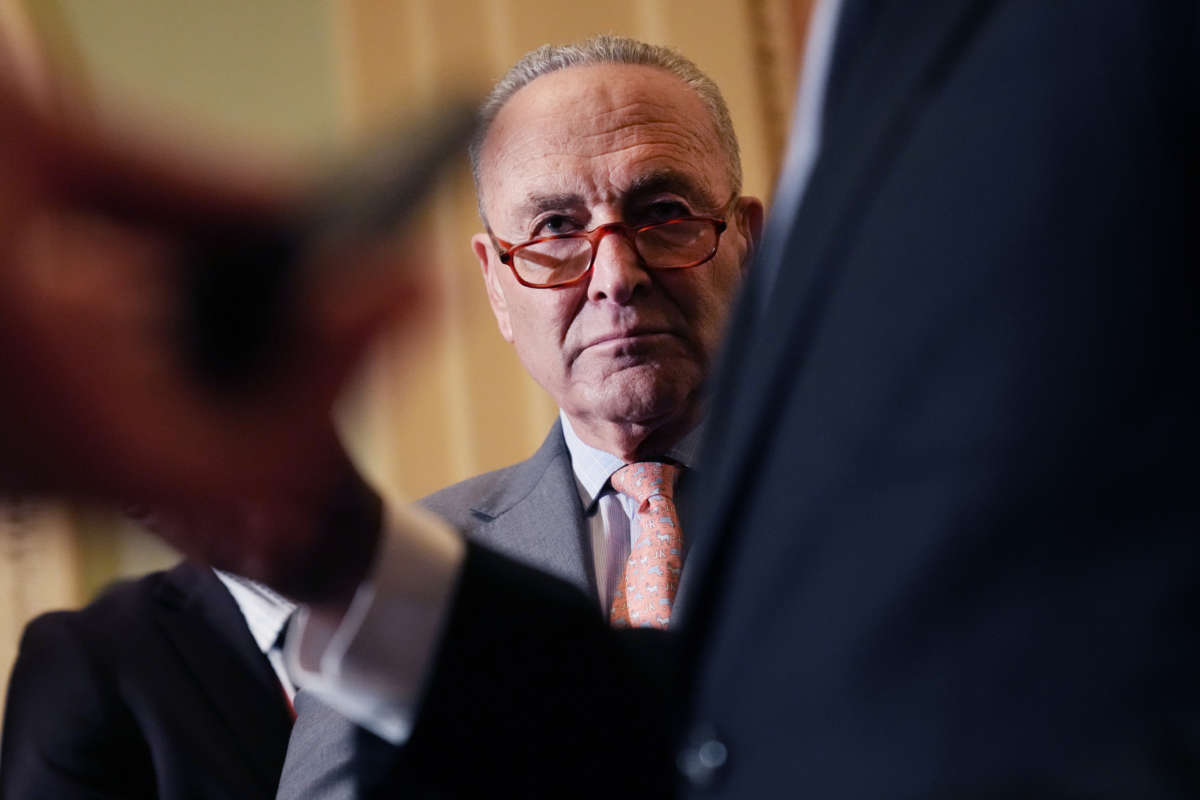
[489,264]
[749,220]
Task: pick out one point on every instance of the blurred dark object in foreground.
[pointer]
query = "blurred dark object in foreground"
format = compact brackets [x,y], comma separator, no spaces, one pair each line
[241,278]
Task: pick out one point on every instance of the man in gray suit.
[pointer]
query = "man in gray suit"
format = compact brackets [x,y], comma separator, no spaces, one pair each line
[610,136]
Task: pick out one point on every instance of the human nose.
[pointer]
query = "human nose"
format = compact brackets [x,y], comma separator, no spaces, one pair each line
[617,269]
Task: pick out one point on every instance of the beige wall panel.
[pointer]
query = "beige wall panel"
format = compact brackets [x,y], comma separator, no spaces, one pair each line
[39,571]
[538,22]
[402,54]
[462,403]
[255,70]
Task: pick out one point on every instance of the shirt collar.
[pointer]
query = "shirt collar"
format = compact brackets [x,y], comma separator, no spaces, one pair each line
[265,611]
[593,466]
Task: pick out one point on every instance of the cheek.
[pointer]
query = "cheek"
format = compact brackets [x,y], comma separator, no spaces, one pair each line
[545,313]
[541,327]
[711,322]
[706,304]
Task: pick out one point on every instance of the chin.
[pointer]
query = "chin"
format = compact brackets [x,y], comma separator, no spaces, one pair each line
[643,397]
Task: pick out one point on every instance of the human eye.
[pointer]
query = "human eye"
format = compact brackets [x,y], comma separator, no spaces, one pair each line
[663,210]
[554,225]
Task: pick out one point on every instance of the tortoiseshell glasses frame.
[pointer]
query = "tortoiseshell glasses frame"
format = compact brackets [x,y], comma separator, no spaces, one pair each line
[547,262]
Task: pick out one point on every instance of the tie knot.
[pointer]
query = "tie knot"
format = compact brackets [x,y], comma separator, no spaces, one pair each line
[645,479]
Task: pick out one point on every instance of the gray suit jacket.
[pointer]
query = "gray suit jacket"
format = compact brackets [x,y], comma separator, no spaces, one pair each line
[529,511]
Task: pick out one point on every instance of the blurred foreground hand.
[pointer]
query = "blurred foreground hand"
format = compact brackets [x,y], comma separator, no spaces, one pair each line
[98,399]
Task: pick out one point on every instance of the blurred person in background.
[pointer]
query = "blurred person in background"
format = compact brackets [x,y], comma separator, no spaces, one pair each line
[170,686]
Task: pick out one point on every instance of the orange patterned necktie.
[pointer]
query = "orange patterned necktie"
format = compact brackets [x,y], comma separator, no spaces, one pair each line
[644,595]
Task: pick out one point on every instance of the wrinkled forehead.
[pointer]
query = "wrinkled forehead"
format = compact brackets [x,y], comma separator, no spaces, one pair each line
[596,132]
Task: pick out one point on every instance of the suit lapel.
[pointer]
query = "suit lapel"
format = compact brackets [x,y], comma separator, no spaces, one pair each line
[536,515]
[201,619]
[910,48]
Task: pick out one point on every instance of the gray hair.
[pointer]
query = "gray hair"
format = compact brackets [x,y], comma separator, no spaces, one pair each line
[605,50]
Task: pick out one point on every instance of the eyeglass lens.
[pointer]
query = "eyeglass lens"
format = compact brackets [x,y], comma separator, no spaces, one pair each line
[677,243]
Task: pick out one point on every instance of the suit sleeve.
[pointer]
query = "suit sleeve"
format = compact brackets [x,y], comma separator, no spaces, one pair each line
[67,735]
[532,691]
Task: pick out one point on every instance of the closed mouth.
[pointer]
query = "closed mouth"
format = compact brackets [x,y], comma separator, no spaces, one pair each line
[618,337]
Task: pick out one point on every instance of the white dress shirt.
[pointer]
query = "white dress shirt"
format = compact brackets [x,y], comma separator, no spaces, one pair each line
[369,663]
[265,612]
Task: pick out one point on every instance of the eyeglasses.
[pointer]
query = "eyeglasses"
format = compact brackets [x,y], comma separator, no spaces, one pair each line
[566,258]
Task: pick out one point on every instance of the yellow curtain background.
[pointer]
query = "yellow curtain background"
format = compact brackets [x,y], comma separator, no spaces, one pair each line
[303,76]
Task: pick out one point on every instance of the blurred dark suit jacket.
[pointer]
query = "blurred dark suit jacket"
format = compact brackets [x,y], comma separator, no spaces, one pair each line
[155,690]
[531,512]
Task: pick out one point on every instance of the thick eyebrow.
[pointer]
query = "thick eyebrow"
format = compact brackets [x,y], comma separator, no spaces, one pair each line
[668,180]
[535,204]
[680,183]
